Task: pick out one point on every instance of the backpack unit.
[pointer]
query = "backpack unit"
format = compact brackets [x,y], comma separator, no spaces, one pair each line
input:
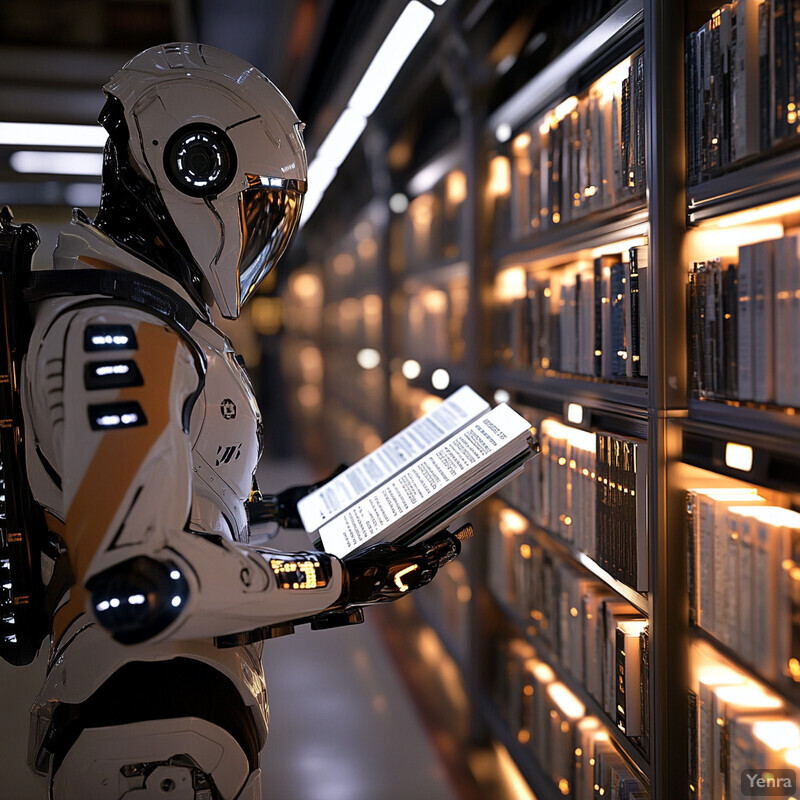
[23,532]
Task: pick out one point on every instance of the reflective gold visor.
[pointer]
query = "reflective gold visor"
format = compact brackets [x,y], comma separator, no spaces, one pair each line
[268,216]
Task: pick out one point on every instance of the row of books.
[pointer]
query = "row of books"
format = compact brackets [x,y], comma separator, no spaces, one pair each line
[738,733]
[590,489]
[599,638]
[354,321]
[742,70]
[573,749]
[434,323]
[588,318]
[433,223]
[586,154]
[744,324]
[744,576]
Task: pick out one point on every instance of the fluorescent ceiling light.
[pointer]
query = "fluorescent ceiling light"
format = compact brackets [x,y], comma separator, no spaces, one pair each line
[341,138]
[50,162]
[391,56]
[46,135]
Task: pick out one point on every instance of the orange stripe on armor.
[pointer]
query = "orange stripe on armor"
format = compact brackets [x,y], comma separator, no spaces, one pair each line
[97,263]
[116,463]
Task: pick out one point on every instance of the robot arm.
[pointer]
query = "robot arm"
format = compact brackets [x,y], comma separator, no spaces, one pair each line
[112,419]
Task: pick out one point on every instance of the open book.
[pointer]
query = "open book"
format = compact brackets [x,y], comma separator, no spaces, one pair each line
[418,481]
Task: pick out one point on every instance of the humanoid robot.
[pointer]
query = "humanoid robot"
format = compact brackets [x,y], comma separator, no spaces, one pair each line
[142,439]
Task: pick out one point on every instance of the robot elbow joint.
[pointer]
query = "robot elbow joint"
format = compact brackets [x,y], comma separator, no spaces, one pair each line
[137,599]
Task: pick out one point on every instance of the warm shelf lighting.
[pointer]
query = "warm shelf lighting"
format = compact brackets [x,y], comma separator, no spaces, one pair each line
[619,247]
[411,369]
[566,701]
[779,734]
[747,696]
[510,284]
[575,413]
[440,379]
[456,187]
[541,671]
[499,176]
[511,522]
[739,456]
[368,358]
[758,213]
[501,396]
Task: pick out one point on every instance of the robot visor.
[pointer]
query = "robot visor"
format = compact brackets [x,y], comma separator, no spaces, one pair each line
[268,216]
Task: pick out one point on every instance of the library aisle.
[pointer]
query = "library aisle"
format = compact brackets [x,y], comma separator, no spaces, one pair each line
[342,724]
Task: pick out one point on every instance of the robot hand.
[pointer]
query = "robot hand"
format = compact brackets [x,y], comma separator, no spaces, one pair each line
[282,508]
[386,572]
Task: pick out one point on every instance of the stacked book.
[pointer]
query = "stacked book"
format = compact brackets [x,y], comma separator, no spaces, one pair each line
[742,83]
[738,732]
[574,750]
[744,577]
[586,318]
[586,154]
[744,324]
[592,492]
[600,639]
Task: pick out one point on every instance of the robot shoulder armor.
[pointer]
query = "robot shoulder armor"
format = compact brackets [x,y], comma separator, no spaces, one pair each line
[122,360]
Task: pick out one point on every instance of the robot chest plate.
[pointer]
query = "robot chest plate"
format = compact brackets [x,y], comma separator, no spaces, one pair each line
[225,432]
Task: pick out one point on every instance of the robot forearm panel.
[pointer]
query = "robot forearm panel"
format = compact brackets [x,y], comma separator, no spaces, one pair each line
[199,588]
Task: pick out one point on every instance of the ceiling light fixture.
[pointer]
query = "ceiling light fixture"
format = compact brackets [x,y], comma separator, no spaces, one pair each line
[52,162]
[35,134]
[342,137]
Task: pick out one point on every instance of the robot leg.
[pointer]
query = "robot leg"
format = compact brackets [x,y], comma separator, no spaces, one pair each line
[186,758]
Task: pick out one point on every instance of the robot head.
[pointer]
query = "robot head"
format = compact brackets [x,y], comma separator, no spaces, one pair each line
[214,155]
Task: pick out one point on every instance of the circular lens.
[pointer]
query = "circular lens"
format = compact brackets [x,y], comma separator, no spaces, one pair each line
[200,160]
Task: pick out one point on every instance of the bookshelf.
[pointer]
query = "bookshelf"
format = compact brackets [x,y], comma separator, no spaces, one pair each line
[462,275]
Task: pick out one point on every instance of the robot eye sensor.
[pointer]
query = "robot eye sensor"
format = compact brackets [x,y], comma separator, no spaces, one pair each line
[200,160]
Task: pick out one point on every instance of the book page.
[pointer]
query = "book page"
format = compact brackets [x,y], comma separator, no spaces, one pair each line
[423,434]
[429,483]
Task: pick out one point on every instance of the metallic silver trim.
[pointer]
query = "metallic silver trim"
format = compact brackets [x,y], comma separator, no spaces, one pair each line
[292,184]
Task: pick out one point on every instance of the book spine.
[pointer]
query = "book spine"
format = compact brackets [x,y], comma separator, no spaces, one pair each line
[691,555]
[729,330]
[700,336]
[641,538]
[640,138]
[763,340]
[621,677]
[714,92]
[792,255]
[625,136]
[781,324]
[691,331]
[745,323]
[628,320]
[691,741]
[618,350]
[598,317]
[764,69]
[634,339]
[779,68]
[726,128]
[644,688]
[690,71]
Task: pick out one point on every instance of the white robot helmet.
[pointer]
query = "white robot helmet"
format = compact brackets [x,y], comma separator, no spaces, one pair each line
[213,153]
